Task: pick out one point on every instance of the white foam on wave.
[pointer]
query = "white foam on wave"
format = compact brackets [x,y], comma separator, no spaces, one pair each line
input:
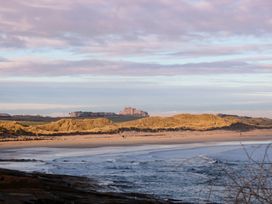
[222,150]
[174,171]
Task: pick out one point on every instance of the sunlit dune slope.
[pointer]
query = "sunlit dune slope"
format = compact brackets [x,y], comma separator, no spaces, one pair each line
[102,125]
[73,125]
[182,121]
[257,122]
[13,128]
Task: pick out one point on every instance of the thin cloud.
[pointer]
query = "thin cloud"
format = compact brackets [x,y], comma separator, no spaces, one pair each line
[226,40]
[35,106]
[29,67]
[101,20]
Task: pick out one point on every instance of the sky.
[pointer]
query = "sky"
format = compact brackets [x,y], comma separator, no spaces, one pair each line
[162,56]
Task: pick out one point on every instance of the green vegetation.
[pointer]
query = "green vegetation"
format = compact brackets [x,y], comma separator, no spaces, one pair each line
[103,125]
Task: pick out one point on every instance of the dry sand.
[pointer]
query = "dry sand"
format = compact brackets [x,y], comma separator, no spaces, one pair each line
[142,138]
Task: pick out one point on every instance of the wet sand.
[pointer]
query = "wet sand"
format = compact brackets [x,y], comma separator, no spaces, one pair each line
[142,138]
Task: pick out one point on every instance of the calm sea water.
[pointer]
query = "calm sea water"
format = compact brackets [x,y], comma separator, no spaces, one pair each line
[187,172]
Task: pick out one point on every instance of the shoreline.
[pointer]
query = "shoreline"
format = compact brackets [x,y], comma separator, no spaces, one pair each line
[142,138]
[20,187]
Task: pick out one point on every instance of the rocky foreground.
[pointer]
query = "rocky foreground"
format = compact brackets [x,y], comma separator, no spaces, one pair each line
[30,188]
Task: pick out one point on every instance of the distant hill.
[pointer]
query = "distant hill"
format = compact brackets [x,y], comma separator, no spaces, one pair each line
[126,114]
[200,122]
[256,122]
[4,115]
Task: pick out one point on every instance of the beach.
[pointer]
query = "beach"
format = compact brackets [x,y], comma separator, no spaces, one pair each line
[167,172]
[140,138]
[181,165]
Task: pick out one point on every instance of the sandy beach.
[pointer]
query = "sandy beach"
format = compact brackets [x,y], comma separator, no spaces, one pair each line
[121,164]
[142,138]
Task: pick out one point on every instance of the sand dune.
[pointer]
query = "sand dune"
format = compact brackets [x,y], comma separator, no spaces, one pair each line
[150,124]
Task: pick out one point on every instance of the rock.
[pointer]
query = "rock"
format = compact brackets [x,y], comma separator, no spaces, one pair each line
[19,187]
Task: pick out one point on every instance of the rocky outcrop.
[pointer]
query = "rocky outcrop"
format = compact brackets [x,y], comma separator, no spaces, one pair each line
[19,187]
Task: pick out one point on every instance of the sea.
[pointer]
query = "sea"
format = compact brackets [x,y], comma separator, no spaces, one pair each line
[196,173]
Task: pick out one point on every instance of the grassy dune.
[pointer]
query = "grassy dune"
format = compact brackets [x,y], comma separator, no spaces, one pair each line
[102,125]
[72,125]
[258,122]
[12,128]
[182,121]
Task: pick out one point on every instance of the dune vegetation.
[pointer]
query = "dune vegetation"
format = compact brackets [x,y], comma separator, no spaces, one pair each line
[258,122]
[72,125]
[12,128]
[181,121]
[199,122]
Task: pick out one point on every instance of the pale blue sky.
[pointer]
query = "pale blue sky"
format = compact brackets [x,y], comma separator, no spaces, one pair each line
[165,57]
